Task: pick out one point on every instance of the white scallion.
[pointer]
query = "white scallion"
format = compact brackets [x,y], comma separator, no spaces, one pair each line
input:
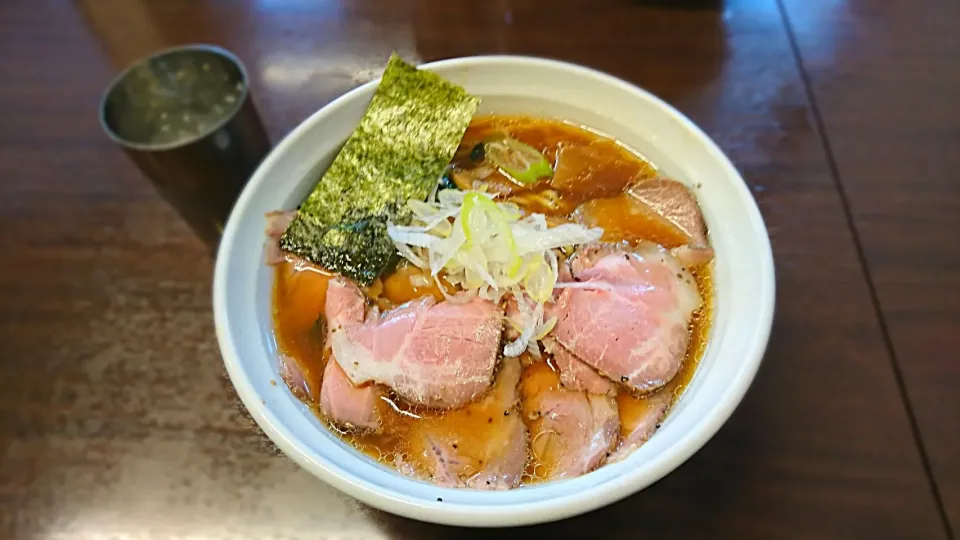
[486,249]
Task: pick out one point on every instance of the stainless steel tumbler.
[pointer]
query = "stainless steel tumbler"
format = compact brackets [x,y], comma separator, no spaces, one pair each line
[185,117]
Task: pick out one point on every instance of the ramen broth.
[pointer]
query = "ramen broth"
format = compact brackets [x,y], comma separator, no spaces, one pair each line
[606,169]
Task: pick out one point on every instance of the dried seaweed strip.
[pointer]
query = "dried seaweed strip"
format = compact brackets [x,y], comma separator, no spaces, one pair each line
[404,142]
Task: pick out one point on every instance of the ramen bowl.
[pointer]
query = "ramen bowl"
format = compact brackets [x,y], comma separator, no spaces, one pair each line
[743,280]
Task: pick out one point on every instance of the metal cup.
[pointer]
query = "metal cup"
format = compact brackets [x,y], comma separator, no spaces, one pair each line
[185,117]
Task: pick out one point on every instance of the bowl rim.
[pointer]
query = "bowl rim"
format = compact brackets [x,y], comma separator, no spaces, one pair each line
[496,515]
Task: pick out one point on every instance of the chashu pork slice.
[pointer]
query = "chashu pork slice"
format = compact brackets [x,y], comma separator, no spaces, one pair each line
[440,355]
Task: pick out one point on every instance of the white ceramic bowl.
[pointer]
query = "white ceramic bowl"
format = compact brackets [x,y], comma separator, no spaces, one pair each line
[744,280]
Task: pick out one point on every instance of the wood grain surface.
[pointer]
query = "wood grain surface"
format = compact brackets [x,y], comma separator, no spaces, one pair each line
[885,77]
[117,420]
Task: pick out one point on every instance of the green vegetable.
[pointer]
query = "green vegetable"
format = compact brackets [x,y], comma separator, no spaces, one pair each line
[477,208]
[404,142]
[521,162]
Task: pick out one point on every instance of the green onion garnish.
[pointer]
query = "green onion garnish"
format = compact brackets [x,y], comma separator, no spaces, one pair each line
[523,163]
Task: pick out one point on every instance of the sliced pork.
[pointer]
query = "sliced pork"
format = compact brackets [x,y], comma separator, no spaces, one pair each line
[574,373]
[435,354]
[629,315]
[571,433]
[294,378]
[482,445]
[345,304]
[345,404]
[675,203]
[639,420]
[277,223]
[600,169]
[692,256]
[348,406]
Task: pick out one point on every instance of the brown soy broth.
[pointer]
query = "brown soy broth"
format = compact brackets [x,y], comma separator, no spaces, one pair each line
[537,377]
[623,218]
[299,294]
[547,136]
[300,290]
[602,166]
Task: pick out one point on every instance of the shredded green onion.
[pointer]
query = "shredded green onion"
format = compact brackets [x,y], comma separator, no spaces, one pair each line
[487,249]
[521,162]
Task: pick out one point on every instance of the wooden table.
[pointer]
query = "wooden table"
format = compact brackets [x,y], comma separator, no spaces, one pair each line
[116,419]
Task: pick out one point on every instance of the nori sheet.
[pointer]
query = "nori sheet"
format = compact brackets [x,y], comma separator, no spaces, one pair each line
[404,142]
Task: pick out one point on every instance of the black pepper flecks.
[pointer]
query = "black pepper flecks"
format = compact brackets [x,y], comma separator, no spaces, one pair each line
[404,142]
